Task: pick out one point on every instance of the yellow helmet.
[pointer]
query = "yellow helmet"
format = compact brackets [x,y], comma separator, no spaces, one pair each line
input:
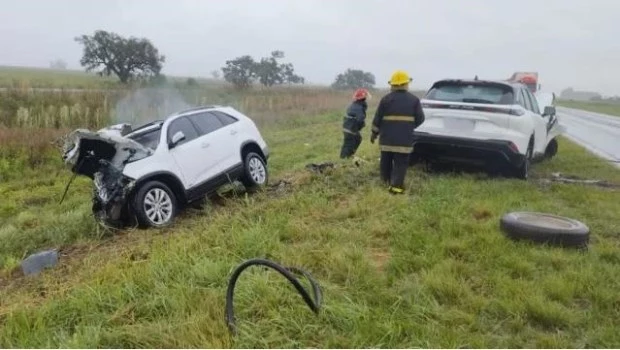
[399,77]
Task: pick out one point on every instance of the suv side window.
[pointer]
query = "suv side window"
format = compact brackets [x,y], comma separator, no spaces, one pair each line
[206,122]
[533,101]
[185,125]
[225,118]
[526,100]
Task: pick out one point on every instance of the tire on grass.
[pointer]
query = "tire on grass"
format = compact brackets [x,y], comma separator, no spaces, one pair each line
[255,174]
[545,228]
[155,205]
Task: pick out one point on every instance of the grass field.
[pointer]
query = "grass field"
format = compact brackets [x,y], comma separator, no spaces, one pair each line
[429,269]
[598,107]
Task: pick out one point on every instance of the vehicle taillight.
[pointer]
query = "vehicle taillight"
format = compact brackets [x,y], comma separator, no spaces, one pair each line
[513,147]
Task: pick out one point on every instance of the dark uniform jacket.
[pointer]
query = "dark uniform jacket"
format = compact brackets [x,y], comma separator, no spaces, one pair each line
[355,119]
[398,114]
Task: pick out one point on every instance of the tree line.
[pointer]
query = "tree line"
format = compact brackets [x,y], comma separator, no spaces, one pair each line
[137,59]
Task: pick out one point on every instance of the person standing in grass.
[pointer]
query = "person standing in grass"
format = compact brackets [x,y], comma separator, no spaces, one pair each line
[399,113]
[354,122]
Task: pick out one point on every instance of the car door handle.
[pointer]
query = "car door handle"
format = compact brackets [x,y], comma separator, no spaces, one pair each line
[205,144]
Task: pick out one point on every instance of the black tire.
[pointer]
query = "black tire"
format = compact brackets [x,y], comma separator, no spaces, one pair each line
[545,228]
[552,149]
[523,171]
[255,173]
[151,189]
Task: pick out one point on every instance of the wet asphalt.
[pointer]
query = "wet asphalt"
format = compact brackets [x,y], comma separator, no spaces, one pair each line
[599,133]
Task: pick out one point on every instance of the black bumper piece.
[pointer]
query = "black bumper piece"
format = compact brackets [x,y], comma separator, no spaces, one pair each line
[463,150]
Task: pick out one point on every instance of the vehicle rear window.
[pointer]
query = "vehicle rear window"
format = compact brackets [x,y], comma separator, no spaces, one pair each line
[472,93]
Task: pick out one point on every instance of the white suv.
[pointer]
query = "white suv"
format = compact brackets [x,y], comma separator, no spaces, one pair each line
[490,123]
[153,171]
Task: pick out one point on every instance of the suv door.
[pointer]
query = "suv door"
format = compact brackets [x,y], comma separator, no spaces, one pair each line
[218,148]
[184,152]
[540,123]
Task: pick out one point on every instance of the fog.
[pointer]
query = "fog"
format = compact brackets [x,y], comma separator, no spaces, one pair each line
[571,43]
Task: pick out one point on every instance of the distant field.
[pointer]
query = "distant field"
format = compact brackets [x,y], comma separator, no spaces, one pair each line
[28,77]
[598,107]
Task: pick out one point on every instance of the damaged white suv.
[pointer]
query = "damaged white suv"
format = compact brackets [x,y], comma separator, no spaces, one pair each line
[153,171]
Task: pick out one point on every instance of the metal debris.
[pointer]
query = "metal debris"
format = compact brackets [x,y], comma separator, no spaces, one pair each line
[559,177]
[35,263]
[320,168]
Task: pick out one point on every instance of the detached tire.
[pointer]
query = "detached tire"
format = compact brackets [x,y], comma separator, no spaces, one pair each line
[155,205]
[545,228]
[255,172]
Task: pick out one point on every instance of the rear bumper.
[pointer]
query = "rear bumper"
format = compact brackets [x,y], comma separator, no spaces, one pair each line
[464,150]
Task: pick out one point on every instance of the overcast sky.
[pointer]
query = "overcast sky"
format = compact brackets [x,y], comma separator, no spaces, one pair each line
[569,42]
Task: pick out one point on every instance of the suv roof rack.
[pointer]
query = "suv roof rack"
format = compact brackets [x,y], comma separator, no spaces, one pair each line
[197,108]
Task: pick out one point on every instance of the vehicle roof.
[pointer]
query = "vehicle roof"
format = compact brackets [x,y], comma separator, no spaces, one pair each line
[150,126]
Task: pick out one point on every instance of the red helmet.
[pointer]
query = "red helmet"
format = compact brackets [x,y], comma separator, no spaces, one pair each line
[360,94]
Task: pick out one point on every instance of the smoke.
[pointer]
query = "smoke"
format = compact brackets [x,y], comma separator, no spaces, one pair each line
[148,104]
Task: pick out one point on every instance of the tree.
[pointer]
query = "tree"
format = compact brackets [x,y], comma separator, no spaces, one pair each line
[127,58]
[244,70]
[240,72]
[270,72]
[353,79]
[58,64]
[215,74]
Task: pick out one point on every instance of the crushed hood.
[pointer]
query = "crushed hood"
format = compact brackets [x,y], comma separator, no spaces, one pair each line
[84,150]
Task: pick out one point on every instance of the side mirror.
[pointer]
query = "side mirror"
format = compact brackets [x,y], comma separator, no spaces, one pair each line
[176,138]
[549,111]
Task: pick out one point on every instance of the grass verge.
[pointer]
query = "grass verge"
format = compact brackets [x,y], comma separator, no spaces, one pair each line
[598,107]
[428,269]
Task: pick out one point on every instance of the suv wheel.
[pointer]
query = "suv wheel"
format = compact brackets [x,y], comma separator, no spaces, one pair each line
[255,172]
[155,205]
[523,171]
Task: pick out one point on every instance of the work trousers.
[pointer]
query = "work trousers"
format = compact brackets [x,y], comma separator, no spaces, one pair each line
[350,144]
[394,168]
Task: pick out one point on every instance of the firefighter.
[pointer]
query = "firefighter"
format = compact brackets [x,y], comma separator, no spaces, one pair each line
[354,121]
[397,115]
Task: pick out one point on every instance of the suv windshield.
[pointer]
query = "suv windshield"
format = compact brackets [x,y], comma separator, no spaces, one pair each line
[488,93]
[148,139]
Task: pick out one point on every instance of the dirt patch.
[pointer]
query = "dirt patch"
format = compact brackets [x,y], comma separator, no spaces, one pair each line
[380,258]
[481,214]
[36,201]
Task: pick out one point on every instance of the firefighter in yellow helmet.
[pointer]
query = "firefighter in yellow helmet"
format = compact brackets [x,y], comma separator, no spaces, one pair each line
[398,114]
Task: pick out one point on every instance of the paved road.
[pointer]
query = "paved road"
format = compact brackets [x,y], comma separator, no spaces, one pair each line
[597,132]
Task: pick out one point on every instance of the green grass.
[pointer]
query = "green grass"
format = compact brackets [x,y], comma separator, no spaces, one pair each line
[598,107]
[429,269]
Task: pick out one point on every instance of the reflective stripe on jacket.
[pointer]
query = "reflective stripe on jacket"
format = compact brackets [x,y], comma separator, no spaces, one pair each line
[398,114]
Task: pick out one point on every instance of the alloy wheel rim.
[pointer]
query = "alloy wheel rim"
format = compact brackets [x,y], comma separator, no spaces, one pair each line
[158,206]
[257,170]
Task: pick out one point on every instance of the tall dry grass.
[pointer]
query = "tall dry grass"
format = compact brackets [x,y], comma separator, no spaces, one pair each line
[30,120]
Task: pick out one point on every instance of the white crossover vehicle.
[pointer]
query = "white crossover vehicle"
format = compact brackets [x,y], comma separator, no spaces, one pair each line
[153,171]
[495,124]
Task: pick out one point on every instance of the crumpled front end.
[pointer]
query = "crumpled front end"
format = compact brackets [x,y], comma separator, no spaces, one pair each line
[102,156]
[111,192]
